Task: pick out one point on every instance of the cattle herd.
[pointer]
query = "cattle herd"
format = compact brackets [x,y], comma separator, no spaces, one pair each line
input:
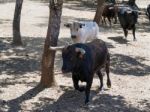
[83,59]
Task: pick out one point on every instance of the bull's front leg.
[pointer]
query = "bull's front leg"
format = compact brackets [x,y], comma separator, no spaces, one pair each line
[87,90]
[76,84]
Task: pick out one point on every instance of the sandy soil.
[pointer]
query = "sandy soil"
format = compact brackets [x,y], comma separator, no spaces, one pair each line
[20,66]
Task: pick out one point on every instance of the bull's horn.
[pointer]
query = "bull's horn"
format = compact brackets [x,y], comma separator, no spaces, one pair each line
[56,48]
[80,50]
[111,8]
[129,12]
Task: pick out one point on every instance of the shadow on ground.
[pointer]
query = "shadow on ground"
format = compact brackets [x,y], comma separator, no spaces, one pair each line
[119,39]
[73,101]
[126,65]
[80,5]
[14,105]
[76,4]
[6,1]
[20,60]
[146,103]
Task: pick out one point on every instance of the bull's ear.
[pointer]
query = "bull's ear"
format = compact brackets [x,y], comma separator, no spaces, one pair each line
[68,25]
[129,12]
[81,25]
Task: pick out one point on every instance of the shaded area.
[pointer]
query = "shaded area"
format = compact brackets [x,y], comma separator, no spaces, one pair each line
[73,101]
[119,39]
[20,60]
[28,80]
[84,5]
[88,5]
[6,1]
[126,65]
[3,21]
[19,66]
[146,104]
[144,26]
[15,104]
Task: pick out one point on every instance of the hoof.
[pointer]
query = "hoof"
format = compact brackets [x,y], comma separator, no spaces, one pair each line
[81,89]
[86,102]
[109,86]
[101,88]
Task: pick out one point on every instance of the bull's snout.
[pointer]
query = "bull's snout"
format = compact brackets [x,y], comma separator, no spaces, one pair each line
[73,36]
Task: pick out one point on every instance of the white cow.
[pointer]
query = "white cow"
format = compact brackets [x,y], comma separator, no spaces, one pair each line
[81,32]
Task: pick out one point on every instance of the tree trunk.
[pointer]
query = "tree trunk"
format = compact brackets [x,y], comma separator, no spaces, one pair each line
[131,2]
[48,57]
[16,23]
[99,10]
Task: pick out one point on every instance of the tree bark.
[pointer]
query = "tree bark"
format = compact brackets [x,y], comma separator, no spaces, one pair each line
[131,2]
[48,57]
[99,10]
[16,23]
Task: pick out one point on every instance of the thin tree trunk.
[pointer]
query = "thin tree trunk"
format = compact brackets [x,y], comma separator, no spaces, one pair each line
[47,75]
[99,10]
[131,2]
[16,23]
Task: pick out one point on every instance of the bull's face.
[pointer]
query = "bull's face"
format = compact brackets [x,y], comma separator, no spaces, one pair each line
[132,16]
[71,57]
[75,29]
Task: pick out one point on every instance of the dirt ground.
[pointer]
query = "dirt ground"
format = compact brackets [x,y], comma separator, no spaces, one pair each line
[20,66]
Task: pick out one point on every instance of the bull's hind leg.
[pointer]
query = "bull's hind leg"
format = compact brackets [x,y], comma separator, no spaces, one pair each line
[109,19]
[125,32]
[133,31]
[104,20]
[115,22]
[107,72]
[100,78]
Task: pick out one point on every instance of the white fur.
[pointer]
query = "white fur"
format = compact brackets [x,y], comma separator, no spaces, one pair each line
[89,31]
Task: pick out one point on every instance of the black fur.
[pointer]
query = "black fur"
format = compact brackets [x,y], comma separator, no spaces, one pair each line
[109,12]
[83,66]
[128,20]
[148,11]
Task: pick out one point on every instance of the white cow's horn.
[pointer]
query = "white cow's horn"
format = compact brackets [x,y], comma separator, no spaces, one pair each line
[80,50]
[56,48]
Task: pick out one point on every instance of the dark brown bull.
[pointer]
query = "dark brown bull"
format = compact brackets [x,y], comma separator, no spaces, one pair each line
[128,19]
[83,61]
[109,12]
[148,11]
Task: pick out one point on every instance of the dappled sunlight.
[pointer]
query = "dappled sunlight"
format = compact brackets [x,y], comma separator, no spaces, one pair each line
[126,65]
[72,100]
[20,67]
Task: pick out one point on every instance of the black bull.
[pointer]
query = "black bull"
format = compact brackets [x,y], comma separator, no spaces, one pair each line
[128,18]
[83,60]
[148,11]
